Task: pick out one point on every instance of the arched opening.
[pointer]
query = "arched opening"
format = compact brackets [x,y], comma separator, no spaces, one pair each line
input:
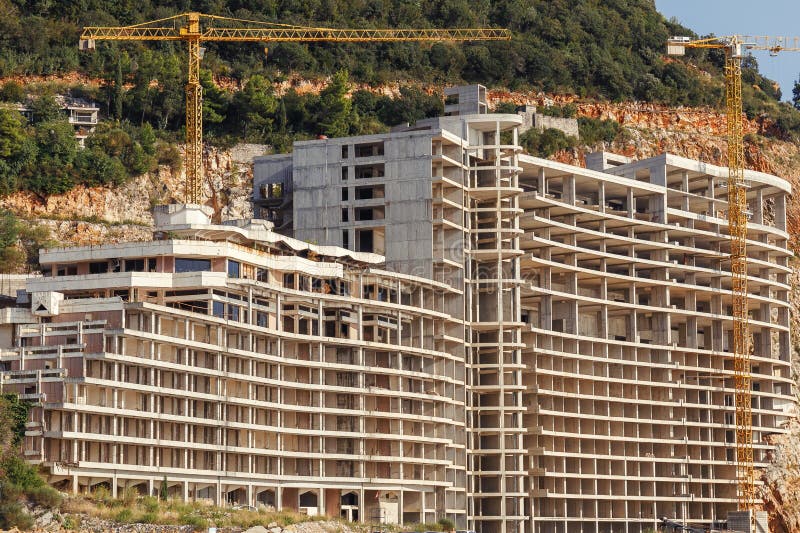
[266,498]
[309,503]
[348,505]
[237,496]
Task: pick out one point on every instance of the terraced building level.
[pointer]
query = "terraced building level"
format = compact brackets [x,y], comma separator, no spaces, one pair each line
[236,365]
[626,296]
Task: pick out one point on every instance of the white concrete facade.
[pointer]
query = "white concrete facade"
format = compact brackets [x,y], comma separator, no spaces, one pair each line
[220,361]
[595,307]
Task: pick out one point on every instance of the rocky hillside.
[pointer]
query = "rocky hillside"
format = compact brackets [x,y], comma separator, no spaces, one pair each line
[94,215]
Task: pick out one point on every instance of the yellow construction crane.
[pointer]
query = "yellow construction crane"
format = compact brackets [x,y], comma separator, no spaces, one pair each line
[733,46]
[197,28]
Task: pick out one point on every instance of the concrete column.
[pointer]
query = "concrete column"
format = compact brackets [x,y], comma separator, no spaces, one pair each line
[685,188]
[400,498]
[631,204]
[361,508]
[601,197]
[779,211]
[758,209]
[569,190]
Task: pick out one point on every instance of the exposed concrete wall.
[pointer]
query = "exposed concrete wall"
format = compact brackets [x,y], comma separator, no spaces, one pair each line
[532,119]
[467,100]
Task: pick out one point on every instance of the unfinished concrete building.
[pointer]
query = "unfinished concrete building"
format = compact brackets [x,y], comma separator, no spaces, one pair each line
[595,303]
[237,365]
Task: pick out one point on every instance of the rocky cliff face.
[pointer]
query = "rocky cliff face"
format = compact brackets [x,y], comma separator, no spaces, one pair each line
[93,215]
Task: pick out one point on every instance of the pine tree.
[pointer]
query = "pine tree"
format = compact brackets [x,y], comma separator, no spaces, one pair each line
[118,81]
[796,94]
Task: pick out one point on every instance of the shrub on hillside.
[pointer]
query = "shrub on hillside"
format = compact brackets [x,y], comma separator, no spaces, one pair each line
[45,496]
[14,515]
[19,473]
[546,143]
[593,131]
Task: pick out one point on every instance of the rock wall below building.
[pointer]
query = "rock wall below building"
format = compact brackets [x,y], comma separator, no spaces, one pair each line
[94,215]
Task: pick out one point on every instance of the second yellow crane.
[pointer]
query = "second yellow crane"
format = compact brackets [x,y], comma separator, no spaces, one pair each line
[196,28]
[733,46]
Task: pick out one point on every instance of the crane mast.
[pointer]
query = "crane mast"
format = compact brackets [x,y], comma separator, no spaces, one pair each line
[737,228]
[197,28]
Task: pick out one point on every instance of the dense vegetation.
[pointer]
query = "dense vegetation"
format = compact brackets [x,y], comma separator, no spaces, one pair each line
[610,50]
[19,481]
[20,242]
[43,156]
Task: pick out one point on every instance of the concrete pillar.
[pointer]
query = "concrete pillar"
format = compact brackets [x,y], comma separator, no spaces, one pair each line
[361,509]
[631,204]
[779,211]
[400,500]
[758,212]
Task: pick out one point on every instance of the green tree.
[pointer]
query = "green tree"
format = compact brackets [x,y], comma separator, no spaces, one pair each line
[13,411]
[17,149]
[12,132]
[412,105]
[51,172]
[45,109]
[113,153]
[796,94]
[163,492]
[118,94]
[56,141]
[545,143]
[254,108]
[334,113]
[32,238]
[215,102]
[12,91]
[96,167]
[147,138]
[10,259]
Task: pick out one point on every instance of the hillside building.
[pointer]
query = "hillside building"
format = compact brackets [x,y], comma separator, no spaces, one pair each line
[443,326]
[81,113]
[596,305]
[236,365]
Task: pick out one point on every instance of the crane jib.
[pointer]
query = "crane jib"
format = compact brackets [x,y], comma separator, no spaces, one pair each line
[195,28]
[312,35]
